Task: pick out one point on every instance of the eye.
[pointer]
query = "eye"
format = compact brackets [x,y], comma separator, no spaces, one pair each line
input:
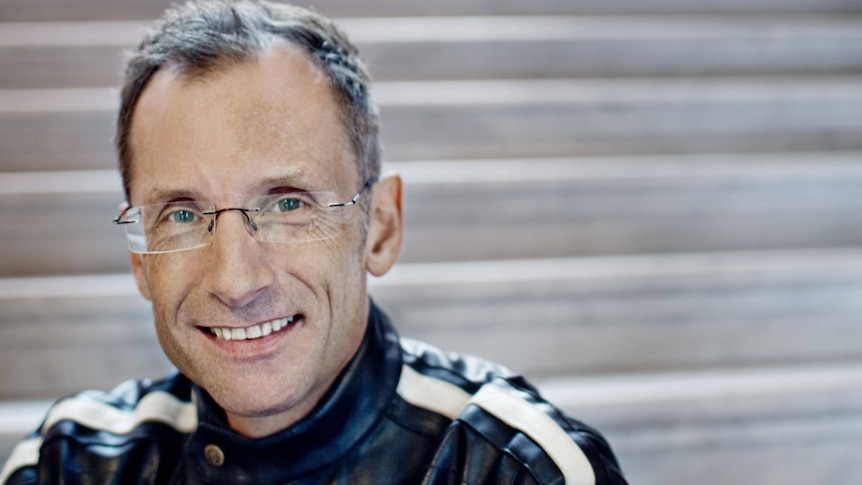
[182,216]
[289,204]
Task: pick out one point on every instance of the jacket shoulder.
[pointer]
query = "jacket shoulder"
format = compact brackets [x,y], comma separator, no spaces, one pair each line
[91,429]
[498,413]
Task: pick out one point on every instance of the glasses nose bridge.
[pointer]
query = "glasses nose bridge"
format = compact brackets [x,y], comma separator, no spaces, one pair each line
[250,225]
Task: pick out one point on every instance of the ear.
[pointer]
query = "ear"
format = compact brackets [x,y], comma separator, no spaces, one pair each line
[137,261]
[385,225]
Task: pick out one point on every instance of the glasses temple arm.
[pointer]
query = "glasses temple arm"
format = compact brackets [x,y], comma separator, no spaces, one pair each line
[355,199]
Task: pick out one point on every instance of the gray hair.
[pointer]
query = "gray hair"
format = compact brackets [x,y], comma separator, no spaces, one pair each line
[203,36]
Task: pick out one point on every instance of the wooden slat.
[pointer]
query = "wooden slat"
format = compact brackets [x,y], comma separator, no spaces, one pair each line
[55,223]
[794,424]
[82,54]
[771,426]
[638,312]
[486,119]
[46,10]
[542,317]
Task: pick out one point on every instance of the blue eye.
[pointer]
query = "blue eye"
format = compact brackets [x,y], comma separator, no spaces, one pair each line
[182,216]
[289,204]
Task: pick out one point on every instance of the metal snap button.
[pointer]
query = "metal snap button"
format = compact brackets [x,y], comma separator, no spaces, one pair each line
[214,455]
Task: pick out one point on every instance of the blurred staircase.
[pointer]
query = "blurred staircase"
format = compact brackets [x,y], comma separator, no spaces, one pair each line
[647,206]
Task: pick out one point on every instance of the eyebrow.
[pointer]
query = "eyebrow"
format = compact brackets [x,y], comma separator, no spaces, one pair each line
[297,180]
[160,196]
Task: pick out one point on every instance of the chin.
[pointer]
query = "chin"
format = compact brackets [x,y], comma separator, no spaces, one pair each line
[264,398]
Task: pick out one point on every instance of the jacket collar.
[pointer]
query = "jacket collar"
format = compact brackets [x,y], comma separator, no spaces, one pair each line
[354,404]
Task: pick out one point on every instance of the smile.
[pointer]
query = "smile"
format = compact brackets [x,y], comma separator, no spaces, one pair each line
[255,331]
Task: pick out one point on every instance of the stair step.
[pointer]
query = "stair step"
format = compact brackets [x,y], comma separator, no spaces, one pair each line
[617,314]
[47,10]
[776,425]
[589,46]
[505,209]
[584,315]
[86,54]
[72,129]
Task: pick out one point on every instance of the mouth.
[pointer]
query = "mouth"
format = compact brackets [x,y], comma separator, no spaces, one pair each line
[255,332]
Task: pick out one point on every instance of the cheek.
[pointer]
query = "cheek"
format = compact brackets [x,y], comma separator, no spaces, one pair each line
[333,270]
[168,279]
[348,254]
[341,254]
[349,274]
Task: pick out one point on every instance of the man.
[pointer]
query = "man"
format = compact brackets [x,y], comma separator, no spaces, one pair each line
[248,145]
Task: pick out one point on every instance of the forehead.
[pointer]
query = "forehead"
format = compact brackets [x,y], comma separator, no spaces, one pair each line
[220,134]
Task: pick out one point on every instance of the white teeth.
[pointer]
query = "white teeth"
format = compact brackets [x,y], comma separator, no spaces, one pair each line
[253,332]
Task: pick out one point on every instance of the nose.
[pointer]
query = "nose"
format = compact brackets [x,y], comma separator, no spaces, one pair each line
[238,271]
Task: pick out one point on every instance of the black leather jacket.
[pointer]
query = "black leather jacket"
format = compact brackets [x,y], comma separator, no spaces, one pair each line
[402,412]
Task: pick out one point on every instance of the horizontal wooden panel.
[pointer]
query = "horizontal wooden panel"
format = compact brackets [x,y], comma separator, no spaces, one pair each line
[795,424]
[47,55]
[635,313]
[776,425]
[541,317]
[56,223]
[54,130]
[45,10]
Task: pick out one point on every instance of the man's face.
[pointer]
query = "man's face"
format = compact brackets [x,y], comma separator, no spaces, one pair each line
[262,126]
